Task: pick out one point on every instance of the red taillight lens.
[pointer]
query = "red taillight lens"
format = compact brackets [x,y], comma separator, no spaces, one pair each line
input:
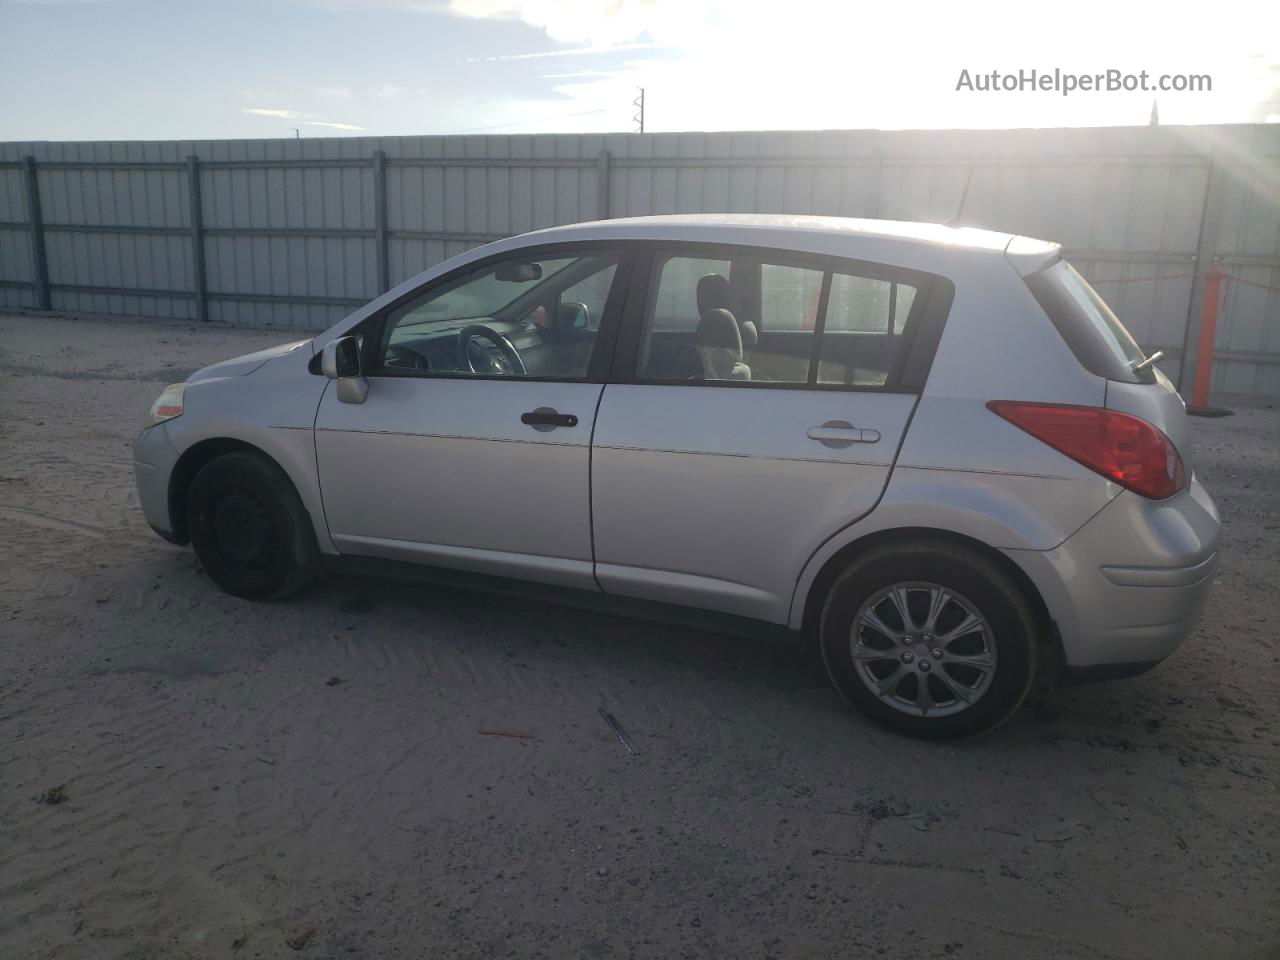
[1119,446]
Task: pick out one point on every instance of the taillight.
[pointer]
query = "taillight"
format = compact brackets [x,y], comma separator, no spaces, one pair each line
[1119,446]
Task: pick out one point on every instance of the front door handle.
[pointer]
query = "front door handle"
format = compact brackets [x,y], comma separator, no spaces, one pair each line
[841,433]
[547,418]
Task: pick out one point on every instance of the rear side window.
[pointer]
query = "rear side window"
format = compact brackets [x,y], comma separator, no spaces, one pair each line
[1095,335]
[868,304]
[755,317]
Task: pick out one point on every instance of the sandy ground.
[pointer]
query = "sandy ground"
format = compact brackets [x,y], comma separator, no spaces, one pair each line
[239,776]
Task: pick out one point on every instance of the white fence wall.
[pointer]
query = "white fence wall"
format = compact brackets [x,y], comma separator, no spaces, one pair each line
[293,233]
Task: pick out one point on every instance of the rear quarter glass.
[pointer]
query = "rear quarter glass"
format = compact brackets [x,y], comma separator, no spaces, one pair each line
[1095,335]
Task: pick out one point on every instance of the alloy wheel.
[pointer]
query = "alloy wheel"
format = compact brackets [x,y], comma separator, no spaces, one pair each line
[923,649]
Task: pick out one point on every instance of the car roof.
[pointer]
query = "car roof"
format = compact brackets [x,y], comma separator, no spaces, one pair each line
[846,235]
[932,247]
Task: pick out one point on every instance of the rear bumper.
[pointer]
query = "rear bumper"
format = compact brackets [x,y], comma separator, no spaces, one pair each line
[1128,588]
[154,456]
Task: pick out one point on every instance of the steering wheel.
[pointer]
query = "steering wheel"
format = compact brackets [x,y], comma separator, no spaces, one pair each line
[479,360]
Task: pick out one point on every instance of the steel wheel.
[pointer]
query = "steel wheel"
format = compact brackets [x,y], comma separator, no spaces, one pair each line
[249,528]
[923,649]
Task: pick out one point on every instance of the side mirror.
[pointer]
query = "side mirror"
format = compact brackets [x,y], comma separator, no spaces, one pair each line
[573,316]
[340,361]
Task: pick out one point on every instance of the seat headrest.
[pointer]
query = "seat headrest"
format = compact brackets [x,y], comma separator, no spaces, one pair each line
[714,293]
[718,329]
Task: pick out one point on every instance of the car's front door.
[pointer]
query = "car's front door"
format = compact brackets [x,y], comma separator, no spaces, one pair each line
[471,448]
[757,409]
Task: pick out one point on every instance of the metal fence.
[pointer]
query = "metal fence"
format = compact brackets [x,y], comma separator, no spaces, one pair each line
[294,233]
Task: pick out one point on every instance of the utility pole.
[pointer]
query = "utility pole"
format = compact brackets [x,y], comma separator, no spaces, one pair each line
[638,118]
[297,134]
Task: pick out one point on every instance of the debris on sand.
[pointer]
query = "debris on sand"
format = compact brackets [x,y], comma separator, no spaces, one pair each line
[621,734]
[54,796]
[301,940]
[513,734]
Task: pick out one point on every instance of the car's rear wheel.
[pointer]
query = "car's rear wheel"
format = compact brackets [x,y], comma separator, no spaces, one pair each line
[930,639]
[249,528]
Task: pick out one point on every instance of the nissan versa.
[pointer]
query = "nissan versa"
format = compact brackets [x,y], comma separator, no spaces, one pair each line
[935,450]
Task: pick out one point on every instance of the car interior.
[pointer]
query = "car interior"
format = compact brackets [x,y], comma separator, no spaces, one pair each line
[748,320]
[525,318]
[733,319]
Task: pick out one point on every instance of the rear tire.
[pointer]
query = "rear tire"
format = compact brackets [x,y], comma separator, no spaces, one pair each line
[249,528]
[960,662]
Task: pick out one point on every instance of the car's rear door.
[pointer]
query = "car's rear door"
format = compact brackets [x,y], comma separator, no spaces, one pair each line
[713,487]
[485,471]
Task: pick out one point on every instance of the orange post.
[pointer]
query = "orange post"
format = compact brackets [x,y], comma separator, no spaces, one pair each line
[1208,331]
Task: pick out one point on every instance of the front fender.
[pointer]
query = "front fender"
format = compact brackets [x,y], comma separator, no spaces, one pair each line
[274,410]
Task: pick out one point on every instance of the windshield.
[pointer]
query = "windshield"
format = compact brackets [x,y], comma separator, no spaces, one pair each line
[1096,336]
[481,294]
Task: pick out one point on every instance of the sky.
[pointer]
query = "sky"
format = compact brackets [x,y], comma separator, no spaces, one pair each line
[209,69]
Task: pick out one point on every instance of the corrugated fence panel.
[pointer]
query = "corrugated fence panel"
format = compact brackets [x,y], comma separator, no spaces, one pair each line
[1248,248]
[291,228]
[15,246]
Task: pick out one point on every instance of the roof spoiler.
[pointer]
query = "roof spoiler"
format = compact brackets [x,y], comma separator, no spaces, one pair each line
[1030,256]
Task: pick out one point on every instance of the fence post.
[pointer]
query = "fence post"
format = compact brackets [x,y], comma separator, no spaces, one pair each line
[1206,240]
[199,281]
[39,258]
[604,173]
[380,220]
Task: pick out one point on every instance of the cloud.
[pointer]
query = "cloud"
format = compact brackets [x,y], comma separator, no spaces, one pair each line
[571,52]
[334,93]
[332,126]
[297,116]
[593,21]
[578,75]
[281,114]
[388,91]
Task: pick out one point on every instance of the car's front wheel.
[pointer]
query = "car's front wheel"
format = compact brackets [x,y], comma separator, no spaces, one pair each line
[249,528]
[931,639]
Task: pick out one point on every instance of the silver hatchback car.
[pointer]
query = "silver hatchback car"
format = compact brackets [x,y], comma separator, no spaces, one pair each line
[935,451]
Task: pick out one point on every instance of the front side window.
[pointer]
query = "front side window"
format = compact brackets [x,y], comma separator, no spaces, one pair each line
[522,316]
[757,318]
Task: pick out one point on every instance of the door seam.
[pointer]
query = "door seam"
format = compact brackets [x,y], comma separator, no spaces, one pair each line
[591,485]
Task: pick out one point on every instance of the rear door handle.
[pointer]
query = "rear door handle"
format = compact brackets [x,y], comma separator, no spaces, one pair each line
[841,433]
[547,418]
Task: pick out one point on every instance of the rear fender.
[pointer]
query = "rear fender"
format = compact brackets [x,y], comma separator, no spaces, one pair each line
[1004,511]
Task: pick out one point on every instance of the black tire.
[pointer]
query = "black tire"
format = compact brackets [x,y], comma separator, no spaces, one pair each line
[998,599]
[249,528]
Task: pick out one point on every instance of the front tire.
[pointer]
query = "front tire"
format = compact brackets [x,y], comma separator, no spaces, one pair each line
[249,528]
[930,639]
